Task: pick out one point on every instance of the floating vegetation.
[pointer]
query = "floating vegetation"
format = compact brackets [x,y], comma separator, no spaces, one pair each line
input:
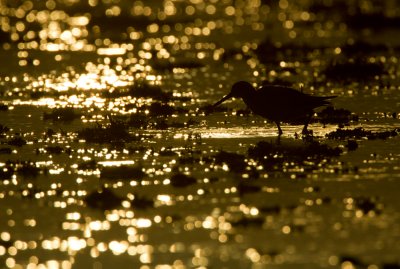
[159,109]
[360,132]
[122,172]
[331,115]
[27,169]
[139,121]
[112,133]
[65,114]
[104,199]
[180,180]
[17,141]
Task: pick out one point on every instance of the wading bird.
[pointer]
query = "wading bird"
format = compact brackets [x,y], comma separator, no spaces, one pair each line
[277,103]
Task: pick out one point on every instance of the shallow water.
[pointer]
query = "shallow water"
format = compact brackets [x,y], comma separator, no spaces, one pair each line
[110,155]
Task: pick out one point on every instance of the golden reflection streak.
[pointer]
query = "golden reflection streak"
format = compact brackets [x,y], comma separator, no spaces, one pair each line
[116,163]
[252,132]
[111,51]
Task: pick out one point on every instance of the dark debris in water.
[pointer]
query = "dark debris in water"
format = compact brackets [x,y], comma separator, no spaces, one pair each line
[391,265]
[66,114]
[276,209]
[363,48]
[5,150]
[180,180]
[373,20]
[209,108]
[351,145]
[142,203]
[246,188]
[246,222]
[3,130]
[140,90]
[112,133]
[167,152]
[160,109]
[359,133]
[140,121]
[103,199]
[355,261]
[17,141]
[6,244]
[3,107]
[54,150]
[170,65]
[340,116]
[122,172]
[273,52]
[26,169]
[368,204]
[87,165]
[6,173]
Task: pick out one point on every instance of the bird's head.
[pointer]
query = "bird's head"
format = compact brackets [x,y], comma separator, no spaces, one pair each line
[240,89]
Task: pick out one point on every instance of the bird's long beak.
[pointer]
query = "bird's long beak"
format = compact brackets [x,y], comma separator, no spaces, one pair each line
[226,97]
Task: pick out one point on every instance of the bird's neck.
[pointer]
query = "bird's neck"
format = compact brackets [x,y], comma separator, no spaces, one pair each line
[249,96]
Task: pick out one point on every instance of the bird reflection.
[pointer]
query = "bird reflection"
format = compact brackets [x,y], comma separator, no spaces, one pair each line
[278,103]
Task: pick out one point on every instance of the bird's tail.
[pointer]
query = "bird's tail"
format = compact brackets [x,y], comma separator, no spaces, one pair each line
[325,100]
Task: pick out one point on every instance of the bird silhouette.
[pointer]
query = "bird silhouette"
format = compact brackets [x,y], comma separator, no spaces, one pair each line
[277,103]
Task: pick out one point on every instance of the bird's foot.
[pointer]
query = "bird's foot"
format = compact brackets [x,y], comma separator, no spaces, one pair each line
[306,132]
[307,135]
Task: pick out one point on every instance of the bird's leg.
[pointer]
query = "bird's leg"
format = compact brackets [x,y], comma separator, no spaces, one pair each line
[279,128]
[278,140]
[305,131]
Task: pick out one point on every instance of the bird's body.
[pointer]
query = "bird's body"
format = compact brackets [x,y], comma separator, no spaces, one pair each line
[278,103]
